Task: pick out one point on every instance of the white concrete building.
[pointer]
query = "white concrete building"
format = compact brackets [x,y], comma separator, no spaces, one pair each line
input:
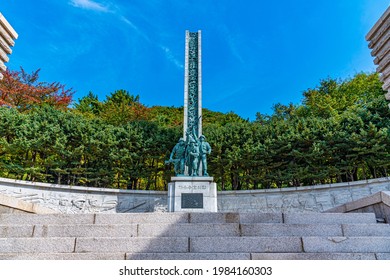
[379,42]
[7,37]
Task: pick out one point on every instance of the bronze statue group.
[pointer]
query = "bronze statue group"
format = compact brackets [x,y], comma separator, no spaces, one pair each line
[192,153]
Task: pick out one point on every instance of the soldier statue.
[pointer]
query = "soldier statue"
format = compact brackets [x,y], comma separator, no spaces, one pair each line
[178,157]
[204,150]
[193,158]
[191,153]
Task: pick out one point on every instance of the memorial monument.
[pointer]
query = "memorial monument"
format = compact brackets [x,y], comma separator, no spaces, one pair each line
[192,189]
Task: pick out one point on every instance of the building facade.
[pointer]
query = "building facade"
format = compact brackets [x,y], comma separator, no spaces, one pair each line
[7,40]
[379,43]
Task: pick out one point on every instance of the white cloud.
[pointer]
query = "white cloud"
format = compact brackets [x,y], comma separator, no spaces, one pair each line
[109,7]
[169,55]
[135,28]
[89,5]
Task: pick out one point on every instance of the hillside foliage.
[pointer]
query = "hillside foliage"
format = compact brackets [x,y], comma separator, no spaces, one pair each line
[21,90]
[340,132]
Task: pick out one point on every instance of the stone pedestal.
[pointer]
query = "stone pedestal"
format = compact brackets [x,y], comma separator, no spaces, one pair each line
[192,194]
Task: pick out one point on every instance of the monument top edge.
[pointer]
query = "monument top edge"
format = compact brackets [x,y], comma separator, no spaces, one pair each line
[192,179]
[188,31]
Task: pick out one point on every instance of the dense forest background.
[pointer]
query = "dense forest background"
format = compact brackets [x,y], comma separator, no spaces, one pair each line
[340,132]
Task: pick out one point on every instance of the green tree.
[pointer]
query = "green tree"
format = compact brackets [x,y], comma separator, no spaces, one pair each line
[89,105]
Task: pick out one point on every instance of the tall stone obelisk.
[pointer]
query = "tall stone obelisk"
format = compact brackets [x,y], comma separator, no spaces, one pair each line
[192,190]
[193,84]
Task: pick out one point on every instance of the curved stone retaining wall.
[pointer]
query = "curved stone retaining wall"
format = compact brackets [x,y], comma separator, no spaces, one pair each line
[75,199]
[301,199]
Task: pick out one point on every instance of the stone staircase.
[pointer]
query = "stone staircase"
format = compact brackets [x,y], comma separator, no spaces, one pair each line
[202,236]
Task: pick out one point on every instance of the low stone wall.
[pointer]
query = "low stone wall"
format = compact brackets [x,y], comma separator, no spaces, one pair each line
[10,204]
[300,199]
[75,199]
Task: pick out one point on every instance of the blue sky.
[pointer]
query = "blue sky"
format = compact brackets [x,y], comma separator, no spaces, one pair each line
[255,53]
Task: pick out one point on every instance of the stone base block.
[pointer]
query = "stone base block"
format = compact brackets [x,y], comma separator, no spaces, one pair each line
[192,194]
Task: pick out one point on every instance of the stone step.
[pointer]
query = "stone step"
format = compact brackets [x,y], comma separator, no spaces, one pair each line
[245,244]
[115,230]
[92,230]
[189,230]
[194,256]
[216,218]
[139,218]
[62,256]
[136,230]
[188,256]
[346,244]
[37,245]
[174,218]
[338,244]
[197,245]
[193,230]
[315,230]
[126,256]
[190,236]
[132,245]
[93,245]
[329,218]
[16,231]
[366,229]
[297,230]
[42,219]
[247,218]
[314,256]
[263,230]
[383,256]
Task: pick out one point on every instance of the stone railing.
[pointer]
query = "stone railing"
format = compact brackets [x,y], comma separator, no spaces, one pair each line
[76,199]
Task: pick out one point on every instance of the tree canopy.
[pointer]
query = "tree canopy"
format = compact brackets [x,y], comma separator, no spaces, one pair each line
[21,90]
[339,133]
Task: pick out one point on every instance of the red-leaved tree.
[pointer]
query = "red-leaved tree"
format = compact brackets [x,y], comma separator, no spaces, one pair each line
[22,91]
